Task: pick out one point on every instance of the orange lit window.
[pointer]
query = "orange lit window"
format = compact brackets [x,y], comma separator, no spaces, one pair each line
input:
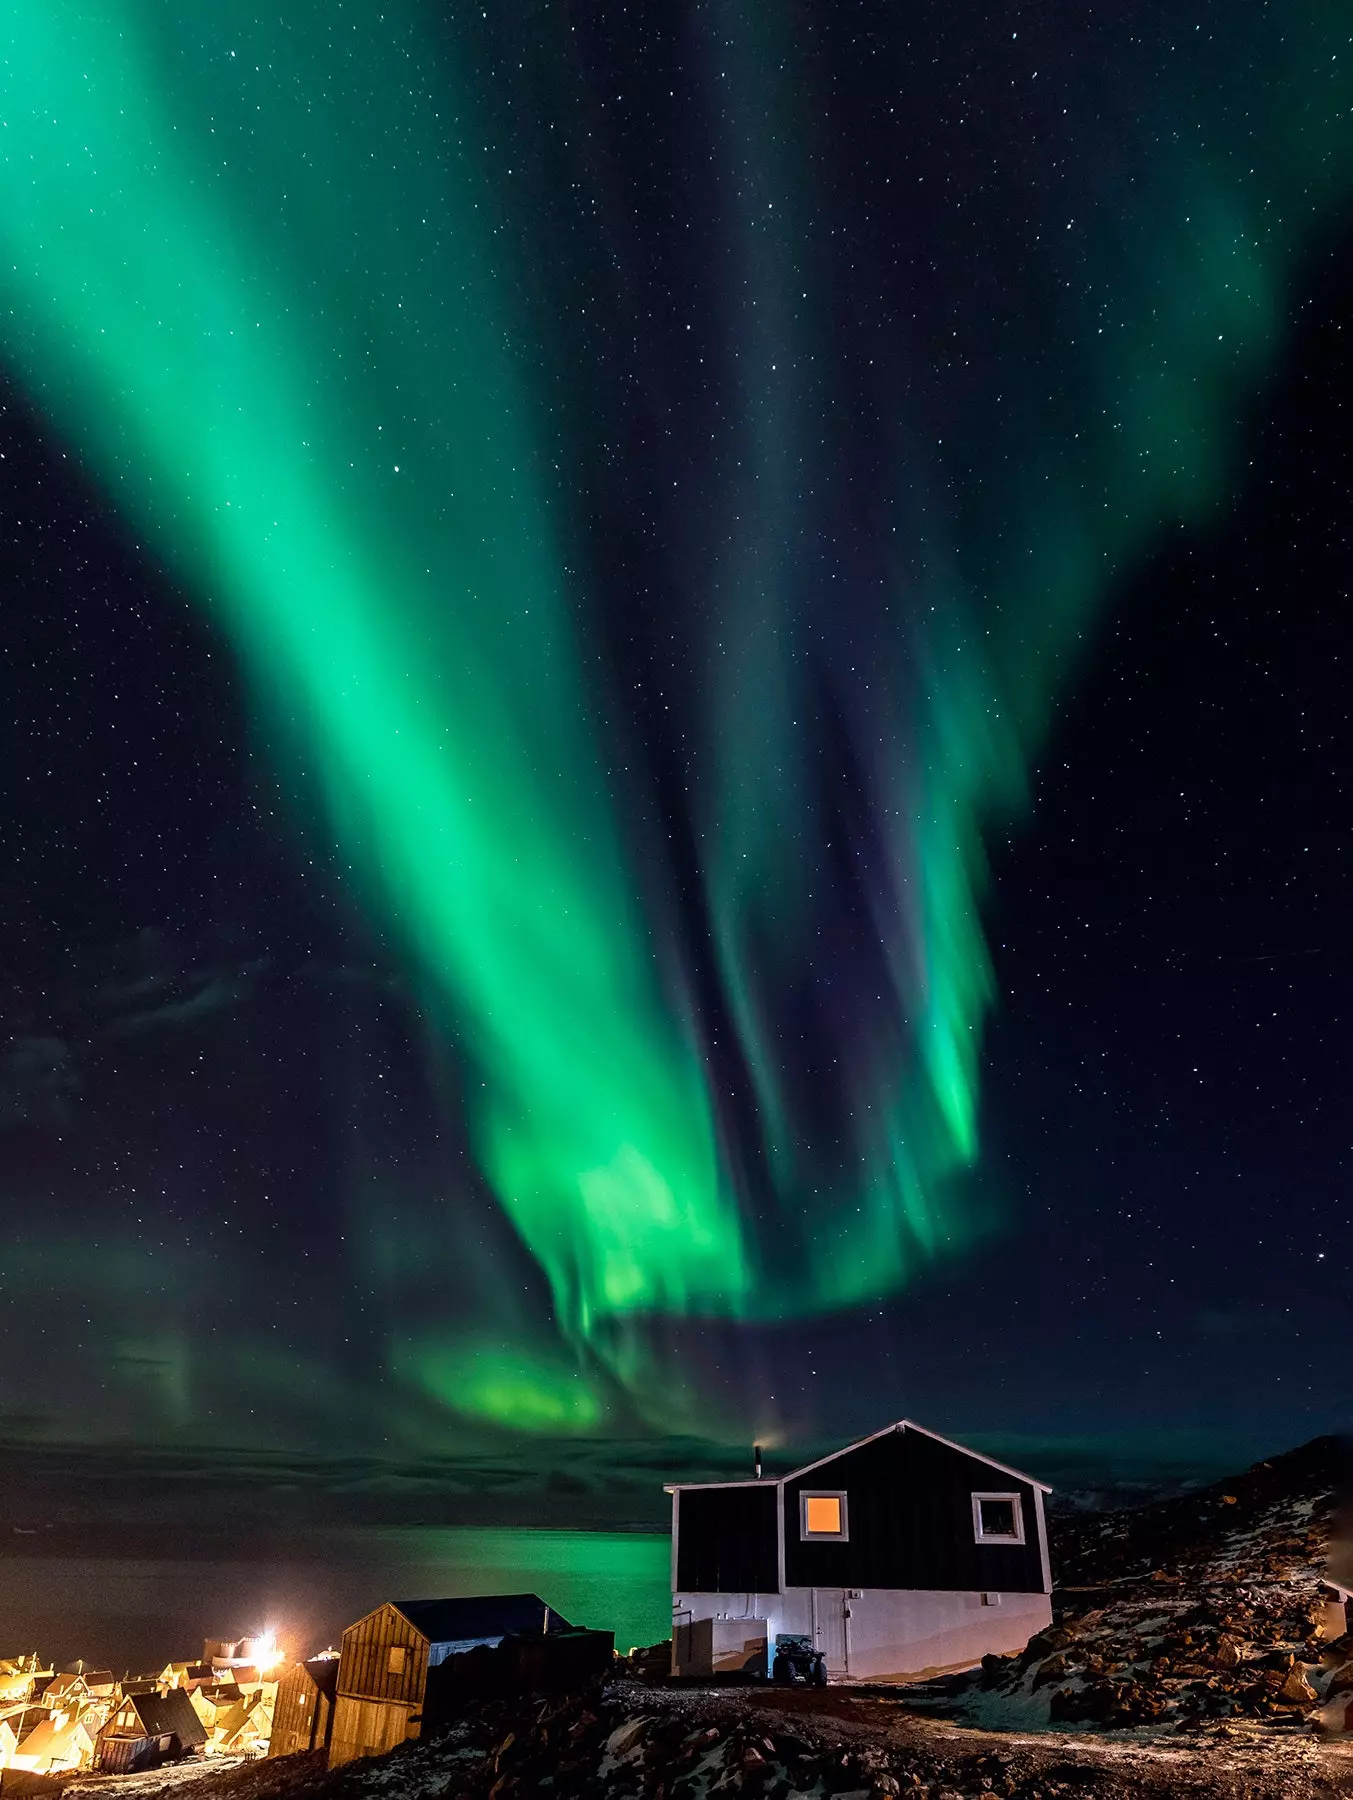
[823,1516]
[396,1659]
[822,1512]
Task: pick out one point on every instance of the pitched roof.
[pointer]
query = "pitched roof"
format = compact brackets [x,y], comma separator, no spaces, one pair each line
[23,1719]
[818,1462]
[49,1739]
[61,1685]
[479,1616]
[163,1714]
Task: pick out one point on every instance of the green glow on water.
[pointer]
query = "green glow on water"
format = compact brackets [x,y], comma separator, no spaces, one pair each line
[609,1580]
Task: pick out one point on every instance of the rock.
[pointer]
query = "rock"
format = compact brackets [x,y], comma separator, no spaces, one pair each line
[1227,1654]
[1042,1643]
[1052,1668]
[624,1738]
[1341,1682]
[1298,1690]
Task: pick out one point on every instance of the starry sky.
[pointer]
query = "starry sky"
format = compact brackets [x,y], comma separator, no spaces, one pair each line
[675,755]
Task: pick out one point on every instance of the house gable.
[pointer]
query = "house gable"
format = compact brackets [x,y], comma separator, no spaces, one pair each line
[909,1499]
[384,1657]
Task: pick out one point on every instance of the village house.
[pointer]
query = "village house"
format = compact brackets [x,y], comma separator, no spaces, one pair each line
[383,1666]
[211,1704]
[902,1554]
[66,1691]
[16,1724]
[146,1729]
[190,1675]
[303,1713]
[61,1742]
[16,1731]
[17,1677]
[52,1724]
[244,1729]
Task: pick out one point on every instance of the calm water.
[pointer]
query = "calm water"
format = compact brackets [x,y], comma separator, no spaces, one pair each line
[125,1613]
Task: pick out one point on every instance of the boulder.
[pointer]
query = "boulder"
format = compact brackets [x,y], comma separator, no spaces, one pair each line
[1052,1668]
[1297,1691]
[1341,1682]
[1043,1643]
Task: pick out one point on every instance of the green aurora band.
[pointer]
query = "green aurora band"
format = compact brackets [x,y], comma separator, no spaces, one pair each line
[265,277]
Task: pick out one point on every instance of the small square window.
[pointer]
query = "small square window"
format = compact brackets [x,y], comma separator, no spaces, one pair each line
[997,1519]
[396,1665]
[822,1512]
[823,1515]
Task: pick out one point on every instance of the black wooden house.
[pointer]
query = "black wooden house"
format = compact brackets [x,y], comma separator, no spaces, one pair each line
[900,1554]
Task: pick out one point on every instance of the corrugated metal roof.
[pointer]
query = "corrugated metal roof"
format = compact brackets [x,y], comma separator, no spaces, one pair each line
[163,1714]
[480,1616]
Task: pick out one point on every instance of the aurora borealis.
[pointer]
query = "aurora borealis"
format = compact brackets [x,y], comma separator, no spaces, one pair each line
[656,482]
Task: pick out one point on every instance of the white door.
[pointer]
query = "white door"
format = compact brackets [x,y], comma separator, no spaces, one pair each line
[829,1628]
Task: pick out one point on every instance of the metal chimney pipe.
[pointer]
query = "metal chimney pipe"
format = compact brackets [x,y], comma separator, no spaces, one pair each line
[756,1459]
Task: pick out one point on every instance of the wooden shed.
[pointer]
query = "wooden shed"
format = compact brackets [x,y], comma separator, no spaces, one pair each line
[303,1715]
[383,1668]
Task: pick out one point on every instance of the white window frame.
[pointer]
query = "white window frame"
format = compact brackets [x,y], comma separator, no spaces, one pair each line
[998,1537]
[823,1537]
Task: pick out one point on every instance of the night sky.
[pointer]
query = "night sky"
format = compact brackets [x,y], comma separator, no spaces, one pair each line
[675,751]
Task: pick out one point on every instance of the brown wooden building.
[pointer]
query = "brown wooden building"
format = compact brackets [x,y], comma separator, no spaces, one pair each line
[303,1714]
[383,1669]
[147,1729]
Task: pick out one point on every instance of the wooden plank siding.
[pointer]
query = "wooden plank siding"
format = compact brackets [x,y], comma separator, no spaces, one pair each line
[364,1667]
[300,1714]
[370,1727]
[378,1705]
[910,1512]
[726,1540]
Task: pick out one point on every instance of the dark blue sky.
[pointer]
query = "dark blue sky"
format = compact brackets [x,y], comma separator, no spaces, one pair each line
[212,1054]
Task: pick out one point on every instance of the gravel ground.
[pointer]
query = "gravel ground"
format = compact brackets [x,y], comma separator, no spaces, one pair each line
[634,1742]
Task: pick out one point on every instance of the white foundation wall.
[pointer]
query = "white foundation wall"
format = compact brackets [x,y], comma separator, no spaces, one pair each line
[870,1635]
[892,1631]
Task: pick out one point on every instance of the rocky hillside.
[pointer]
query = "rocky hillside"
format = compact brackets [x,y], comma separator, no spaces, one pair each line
[627,1742]
[1208,1606]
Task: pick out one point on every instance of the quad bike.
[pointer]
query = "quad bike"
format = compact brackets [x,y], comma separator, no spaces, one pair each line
[797,1663]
